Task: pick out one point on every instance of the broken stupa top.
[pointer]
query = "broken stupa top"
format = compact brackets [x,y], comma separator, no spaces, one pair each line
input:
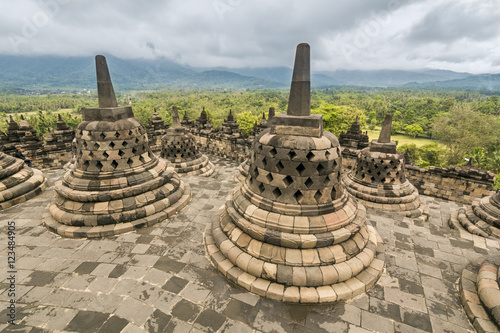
[384,143]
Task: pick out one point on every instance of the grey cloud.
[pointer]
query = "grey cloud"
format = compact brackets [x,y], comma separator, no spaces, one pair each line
[454,20]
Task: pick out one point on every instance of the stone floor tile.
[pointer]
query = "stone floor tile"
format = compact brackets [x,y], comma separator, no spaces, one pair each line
[186,310]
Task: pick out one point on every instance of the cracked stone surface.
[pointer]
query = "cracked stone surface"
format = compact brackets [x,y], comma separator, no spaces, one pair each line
[159,279]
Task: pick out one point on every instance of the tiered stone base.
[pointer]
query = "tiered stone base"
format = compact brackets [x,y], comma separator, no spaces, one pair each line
[198,167]
[18,183]
[297,266]
[153,213]
[402,199]
[481,218]
[480,294]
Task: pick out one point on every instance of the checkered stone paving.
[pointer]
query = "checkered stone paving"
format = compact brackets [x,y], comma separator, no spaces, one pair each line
[158,278]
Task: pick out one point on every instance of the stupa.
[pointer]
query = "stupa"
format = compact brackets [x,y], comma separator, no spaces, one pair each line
[116,184]
[179,149]
[291,232]
[482,218]
[18,182]
[379,178]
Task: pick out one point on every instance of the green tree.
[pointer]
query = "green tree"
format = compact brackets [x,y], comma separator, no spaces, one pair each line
[246,120]
[463,129]
[413,129]
[338,118]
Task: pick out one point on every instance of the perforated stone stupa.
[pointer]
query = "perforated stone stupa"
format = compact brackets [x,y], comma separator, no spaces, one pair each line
[18,182]
[116,184]
[179,149]
[482,218]
[379,178]
[291,232]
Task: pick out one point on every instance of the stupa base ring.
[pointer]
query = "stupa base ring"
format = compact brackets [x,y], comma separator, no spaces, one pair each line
[118,228]
[340,291]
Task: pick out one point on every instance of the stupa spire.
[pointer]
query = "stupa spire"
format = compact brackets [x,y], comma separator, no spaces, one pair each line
[385,133]
[105,91]
[175,117]
[299,103]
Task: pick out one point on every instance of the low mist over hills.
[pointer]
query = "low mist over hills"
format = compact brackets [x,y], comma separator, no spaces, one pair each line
[52,72]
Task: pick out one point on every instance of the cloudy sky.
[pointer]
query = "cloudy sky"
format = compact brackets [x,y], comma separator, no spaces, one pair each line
[460,35]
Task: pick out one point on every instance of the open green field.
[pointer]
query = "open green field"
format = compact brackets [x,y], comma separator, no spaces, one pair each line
[402,139]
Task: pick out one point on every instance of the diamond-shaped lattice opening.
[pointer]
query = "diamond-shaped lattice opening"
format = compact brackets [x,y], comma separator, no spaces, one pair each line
[130,132]
[112,144]
[327,180]
[391,162]
[333,193]
[308,182]
[91,154]
[334,163]
[141,158]
[134,150]
[259,148]
[86,164]
[379,173]
[372,179]
[256,172]
[298,196]
[130,162]
[300,168]
[310,155]
[383,180]
[264,161]
[117,135]
[273,152]
[136,140]
[121,153]
[288,180]
[99,165]
[114,164]
[320,168]
[369,170]
[105,154]
[96,146]
[261,188]
[327,154]
[279,166]
[317,196]
[125,144]
[270,177]
[386,167]
[85,144]
[292,154]
[102,136]
[276,193]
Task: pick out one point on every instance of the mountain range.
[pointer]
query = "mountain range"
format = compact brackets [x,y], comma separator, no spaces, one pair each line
[53,72]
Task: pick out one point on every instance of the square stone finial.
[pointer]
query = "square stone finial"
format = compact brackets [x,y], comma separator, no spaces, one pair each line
[298,120]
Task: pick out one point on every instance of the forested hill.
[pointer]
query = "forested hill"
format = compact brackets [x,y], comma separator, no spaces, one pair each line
[51,72]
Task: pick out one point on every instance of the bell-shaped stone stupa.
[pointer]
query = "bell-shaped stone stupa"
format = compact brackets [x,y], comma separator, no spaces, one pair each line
[18,182]
[482,218]
[179,149]
[116,184]
[379,178]
[291,232]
